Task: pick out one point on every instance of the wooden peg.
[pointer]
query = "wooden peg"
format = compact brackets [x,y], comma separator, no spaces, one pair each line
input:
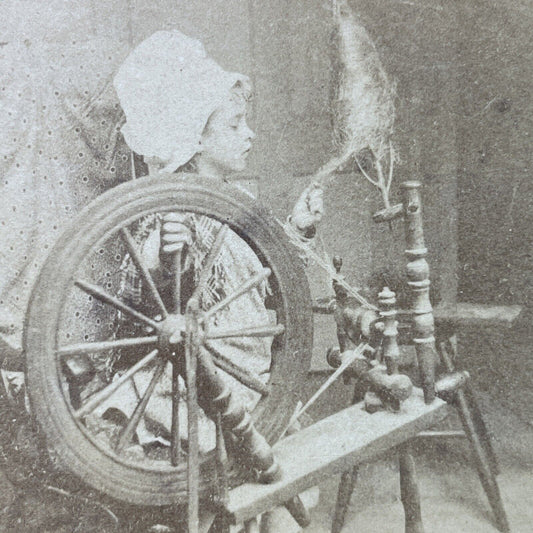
[448,385]
[388,214]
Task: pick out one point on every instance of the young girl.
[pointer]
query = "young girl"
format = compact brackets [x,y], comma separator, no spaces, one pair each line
[185,114]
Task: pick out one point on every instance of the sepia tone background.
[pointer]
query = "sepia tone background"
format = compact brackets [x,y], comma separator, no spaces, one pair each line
[464,115]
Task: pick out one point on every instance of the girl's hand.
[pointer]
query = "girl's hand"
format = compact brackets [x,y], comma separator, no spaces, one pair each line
[174,236]
[309,208]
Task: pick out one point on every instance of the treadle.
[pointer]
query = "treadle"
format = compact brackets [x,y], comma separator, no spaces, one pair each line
[330,447]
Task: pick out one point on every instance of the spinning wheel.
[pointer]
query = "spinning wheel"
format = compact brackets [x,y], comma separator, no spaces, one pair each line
[145,370]
[90,349]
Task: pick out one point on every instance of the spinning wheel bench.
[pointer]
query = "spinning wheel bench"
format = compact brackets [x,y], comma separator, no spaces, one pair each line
[332,446]
[170,345]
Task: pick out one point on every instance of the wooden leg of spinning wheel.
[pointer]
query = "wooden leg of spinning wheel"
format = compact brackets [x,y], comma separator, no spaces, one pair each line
[220,525]
[298,511]
[410,494]
[346,487]
[471,399]
[481,428]
[476,432]
[251,526]
[486,476]
[348,478]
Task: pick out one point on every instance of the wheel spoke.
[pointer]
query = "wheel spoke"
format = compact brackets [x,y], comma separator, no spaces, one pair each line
[92,347]
[244,288]
[221,455]
[193,464]
[242,375]
[176,296]
[102,395]
[145,273]
[127,433]
[103,296]
[257,331]
[175,445]
[210,261]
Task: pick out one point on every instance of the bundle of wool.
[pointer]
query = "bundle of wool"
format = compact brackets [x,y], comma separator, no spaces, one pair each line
[362,100]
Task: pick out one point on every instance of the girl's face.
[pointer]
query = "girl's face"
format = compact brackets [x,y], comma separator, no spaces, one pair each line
[227,140]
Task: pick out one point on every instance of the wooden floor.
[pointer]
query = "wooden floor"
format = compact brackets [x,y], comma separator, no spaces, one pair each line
[452,498]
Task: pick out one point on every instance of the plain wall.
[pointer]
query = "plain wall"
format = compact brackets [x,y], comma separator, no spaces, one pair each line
[463,72]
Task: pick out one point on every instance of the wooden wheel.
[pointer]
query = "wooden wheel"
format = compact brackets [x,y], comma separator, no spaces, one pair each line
[106,334]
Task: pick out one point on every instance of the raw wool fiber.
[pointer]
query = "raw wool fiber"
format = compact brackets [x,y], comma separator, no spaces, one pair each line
[362,99]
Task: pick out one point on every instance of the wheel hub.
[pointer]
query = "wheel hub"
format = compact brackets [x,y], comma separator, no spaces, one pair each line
[172,331]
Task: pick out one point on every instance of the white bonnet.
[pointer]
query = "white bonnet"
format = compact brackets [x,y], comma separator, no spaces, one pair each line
[168,89]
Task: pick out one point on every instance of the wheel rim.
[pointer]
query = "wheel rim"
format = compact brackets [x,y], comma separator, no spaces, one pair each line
[155,360]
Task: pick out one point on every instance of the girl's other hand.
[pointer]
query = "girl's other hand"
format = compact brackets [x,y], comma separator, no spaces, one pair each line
[309,208]
[175,234]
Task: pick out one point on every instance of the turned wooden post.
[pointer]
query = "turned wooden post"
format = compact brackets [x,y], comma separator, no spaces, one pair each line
[391,350]
[418,281]
[410,494]
[235,419]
